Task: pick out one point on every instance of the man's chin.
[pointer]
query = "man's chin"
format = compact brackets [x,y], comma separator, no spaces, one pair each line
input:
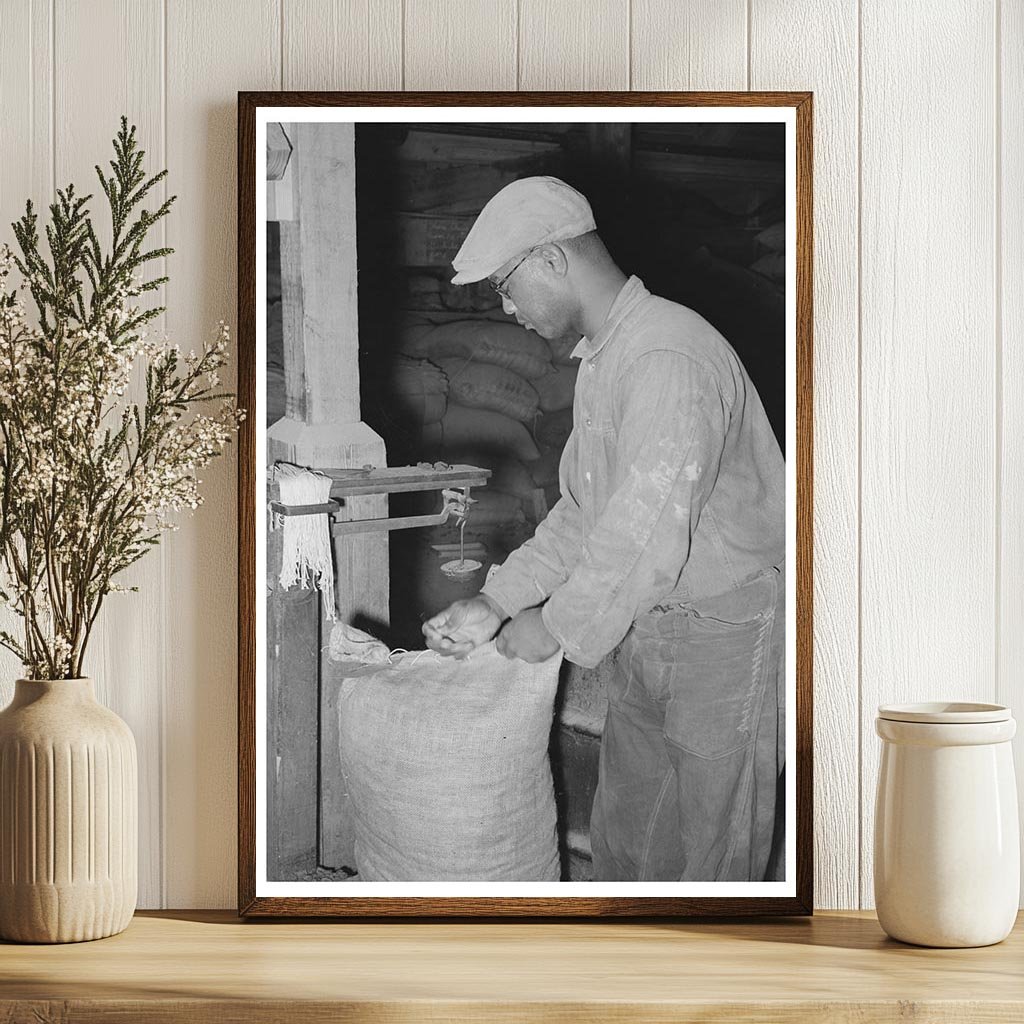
[543,332]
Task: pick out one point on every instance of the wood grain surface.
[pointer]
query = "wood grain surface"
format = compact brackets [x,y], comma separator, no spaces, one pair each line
[827,64]
[351,44]
[919,161]
[129,669]
[574,44]
[26,121]
[1009,257]
[200,967]
[701,44]
[928,368]
[230,45]
[469,45]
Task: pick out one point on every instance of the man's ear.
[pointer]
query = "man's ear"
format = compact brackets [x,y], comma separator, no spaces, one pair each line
[554,258]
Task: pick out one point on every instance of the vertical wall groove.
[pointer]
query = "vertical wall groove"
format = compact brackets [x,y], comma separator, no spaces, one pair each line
[518,44]
[162,613]
[997,234]
[750,43]
[32,88]
[629,51]
[858,583]
[928,396]
[1010,268]
[741,62]
[53,96]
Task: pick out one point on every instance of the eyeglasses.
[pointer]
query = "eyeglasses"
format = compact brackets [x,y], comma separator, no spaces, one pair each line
[499,286]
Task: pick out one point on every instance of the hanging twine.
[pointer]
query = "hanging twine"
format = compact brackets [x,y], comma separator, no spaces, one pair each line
[306,540]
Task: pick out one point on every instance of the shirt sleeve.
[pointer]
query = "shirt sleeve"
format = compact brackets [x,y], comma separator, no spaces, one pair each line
[673,424]
[531,572]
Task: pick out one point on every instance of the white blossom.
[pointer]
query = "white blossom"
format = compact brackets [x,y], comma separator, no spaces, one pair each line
[80,506]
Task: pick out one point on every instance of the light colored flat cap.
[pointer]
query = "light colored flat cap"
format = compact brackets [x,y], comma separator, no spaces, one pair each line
[524,214]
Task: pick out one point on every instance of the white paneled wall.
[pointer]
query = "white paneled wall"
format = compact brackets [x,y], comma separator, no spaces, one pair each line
[919,326]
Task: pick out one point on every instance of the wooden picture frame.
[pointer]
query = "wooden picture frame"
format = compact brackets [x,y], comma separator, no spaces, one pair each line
[258,897]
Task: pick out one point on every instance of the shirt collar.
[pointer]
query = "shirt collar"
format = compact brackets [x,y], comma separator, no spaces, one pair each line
[629,295]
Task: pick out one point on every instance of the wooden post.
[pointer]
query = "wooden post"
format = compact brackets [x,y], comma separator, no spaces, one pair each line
[279,151]
[293,641]
[321,427]
[611,149]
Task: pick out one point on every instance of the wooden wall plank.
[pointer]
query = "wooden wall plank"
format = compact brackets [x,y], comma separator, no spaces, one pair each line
[700,44]
[213,51]
[814,46]
[26,76]
[1010,677]
[125,655]
[468,45]
[574,44]
[342,44]
[928,402]
[26,106]
[930,382]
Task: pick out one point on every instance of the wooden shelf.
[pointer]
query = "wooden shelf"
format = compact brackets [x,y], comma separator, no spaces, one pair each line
[210,967]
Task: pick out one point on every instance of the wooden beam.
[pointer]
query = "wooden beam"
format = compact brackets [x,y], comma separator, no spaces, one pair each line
[279,151]
[611,148]
[322,427]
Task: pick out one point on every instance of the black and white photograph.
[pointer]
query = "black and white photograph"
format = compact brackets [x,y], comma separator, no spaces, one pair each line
[526,389]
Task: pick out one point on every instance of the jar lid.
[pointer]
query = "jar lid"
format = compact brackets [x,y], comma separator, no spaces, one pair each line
[945,712]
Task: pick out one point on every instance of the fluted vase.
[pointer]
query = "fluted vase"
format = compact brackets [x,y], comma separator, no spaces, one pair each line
[68,815]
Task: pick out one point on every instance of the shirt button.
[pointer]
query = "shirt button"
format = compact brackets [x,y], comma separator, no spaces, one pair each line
[588,421]
[590,365]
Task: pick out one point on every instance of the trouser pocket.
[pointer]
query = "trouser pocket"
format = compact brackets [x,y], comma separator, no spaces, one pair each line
[689,758]
[706,664]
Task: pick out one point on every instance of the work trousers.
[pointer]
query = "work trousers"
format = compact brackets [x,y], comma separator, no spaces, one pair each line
[694,741]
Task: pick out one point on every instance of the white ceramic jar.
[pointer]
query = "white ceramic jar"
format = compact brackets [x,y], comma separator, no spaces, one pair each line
[947,847]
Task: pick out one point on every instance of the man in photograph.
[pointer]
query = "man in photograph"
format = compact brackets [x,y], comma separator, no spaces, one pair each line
[669,539]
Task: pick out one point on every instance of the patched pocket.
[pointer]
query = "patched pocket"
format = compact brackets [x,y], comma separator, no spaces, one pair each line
[710,680]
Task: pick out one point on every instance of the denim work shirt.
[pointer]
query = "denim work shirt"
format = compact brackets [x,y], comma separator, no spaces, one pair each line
[672,483]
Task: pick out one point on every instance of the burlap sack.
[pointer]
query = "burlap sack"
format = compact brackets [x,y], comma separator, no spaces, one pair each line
[485,341]
[484,429]
[485,386]
[446,763]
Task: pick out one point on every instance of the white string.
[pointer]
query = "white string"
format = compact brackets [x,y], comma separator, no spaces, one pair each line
[306,540]
[402,650]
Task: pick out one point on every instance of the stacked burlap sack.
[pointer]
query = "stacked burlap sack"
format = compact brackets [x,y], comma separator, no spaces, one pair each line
[772,243]
[490,394]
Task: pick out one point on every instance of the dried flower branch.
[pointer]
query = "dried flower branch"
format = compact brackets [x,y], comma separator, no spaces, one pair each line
[89,478]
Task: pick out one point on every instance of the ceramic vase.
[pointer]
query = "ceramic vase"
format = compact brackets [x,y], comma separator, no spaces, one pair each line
[947,847]
[68,813]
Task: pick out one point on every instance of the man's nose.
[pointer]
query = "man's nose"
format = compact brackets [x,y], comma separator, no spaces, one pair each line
[508,305]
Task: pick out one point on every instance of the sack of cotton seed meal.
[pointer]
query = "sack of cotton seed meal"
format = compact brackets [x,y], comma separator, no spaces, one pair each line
[486,341]
[419,389]
[446,763]
[482,429]
[486,386]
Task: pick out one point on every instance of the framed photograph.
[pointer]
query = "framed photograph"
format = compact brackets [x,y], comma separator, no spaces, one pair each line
[525,495]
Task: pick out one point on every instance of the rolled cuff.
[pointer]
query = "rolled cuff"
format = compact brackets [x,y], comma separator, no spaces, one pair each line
[503,598]
[573,652]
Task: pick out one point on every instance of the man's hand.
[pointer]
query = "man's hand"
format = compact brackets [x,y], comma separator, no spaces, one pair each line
[463,626]
[527,638]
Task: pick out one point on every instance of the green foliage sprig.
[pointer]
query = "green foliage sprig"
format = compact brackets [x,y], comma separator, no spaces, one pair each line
[89,478]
